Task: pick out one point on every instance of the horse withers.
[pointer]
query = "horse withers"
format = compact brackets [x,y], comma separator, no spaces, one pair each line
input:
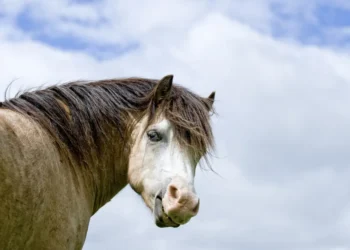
[67,150]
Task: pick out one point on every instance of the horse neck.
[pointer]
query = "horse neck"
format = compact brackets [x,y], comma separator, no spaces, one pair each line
[107,169]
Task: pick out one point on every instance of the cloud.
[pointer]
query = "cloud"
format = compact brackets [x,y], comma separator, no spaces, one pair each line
[106,23]
[282,130]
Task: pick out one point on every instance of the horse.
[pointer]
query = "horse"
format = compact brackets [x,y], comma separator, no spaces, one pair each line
[68,149]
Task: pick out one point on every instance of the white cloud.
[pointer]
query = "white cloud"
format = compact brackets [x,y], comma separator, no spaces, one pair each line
[110,22]
[282,130]
[120,22]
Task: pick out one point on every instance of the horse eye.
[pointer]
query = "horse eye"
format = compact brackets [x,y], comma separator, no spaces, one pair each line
[154,136]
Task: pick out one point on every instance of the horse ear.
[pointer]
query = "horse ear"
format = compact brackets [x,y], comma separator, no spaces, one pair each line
[163,89]
[211,99]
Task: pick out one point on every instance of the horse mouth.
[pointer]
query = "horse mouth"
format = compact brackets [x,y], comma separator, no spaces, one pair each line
[161,218]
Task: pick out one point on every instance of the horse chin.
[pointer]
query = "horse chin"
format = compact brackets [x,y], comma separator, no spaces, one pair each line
[161,218]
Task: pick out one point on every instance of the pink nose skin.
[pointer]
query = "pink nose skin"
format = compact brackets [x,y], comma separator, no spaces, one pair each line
[180,202]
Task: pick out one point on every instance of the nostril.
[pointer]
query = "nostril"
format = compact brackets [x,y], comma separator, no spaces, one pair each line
[196,208]
[173,191]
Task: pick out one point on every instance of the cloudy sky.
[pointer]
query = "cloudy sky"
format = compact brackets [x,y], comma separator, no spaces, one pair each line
[281,70]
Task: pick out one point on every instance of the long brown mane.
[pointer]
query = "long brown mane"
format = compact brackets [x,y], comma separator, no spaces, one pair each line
[78,115]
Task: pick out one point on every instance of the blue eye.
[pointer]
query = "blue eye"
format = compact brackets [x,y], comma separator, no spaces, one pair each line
[154,136]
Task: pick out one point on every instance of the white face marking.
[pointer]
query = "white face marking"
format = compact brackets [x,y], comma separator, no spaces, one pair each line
[154,162]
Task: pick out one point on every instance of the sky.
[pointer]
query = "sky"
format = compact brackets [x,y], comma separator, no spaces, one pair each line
[281,74]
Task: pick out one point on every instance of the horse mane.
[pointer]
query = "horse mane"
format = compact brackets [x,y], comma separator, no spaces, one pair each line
[78,115]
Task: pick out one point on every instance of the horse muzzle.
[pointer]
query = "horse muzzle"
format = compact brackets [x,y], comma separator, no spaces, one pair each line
[175,204]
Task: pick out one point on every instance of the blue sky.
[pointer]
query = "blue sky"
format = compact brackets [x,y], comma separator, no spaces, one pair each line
[39,29]
[309,27]
[325,17]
